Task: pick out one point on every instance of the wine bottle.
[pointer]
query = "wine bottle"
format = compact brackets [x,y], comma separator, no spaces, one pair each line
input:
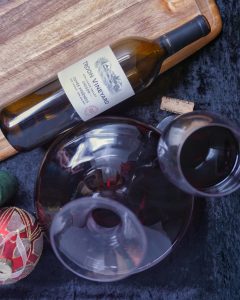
[91,86]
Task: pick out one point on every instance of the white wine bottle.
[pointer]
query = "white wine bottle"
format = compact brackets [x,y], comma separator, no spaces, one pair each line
[92,85]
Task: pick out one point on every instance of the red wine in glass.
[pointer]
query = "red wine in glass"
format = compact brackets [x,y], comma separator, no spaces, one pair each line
[199,153]
[208,156]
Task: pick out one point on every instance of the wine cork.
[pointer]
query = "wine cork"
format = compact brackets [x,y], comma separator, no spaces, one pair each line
[6,150]
[176,106]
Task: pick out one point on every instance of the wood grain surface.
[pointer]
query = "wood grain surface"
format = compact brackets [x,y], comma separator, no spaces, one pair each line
[38,38]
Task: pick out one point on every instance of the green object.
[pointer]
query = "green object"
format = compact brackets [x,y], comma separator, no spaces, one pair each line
[8,186]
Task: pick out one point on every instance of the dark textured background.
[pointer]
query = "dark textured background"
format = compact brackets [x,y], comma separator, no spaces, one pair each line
[206,264]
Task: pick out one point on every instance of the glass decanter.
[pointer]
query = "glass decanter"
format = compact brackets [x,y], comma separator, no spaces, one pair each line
[116,159]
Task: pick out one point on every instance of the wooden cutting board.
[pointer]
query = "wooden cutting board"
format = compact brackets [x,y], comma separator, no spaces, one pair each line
[38,38]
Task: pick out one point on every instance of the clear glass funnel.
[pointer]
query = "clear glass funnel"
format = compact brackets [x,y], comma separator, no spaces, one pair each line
[98,238]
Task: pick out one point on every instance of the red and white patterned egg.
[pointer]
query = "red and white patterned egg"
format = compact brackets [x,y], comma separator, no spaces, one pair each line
[21,244]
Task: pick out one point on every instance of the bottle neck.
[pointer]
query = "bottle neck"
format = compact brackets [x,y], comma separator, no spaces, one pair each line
[184,35]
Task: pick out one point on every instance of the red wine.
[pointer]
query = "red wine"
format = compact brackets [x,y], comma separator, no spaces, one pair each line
[208,156]
[105,218]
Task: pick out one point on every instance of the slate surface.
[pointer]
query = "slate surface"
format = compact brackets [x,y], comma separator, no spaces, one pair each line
[206,264]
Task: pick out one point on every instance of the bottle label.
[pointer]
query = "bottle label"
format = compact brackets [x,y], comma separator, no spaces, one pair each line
[95,83]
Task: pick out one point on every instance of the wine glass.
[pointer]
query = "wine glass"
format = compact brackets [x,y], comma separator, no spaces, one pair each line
[98,239]
[199,153]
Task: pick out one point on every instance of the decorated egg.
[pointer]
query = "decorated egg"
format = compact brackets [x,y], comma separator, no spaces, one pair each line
[21,244]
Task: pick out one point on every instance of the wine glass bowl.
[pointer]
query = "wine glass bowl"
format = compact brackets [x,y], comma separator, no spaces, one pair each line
[199,153]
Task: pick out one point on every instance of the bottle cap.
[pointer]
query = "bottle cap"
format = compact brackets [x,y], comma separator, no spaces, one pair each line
[186,34]
[203,24]
[6,149]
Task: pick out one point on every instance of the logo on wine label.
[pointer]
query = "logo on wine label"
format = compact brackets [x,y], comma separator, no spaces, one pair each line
[91,110]
[112,81]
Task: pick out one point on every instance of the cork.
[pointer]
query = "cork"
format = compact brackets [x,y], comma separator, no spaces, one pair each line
[6,150]
[176,106]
